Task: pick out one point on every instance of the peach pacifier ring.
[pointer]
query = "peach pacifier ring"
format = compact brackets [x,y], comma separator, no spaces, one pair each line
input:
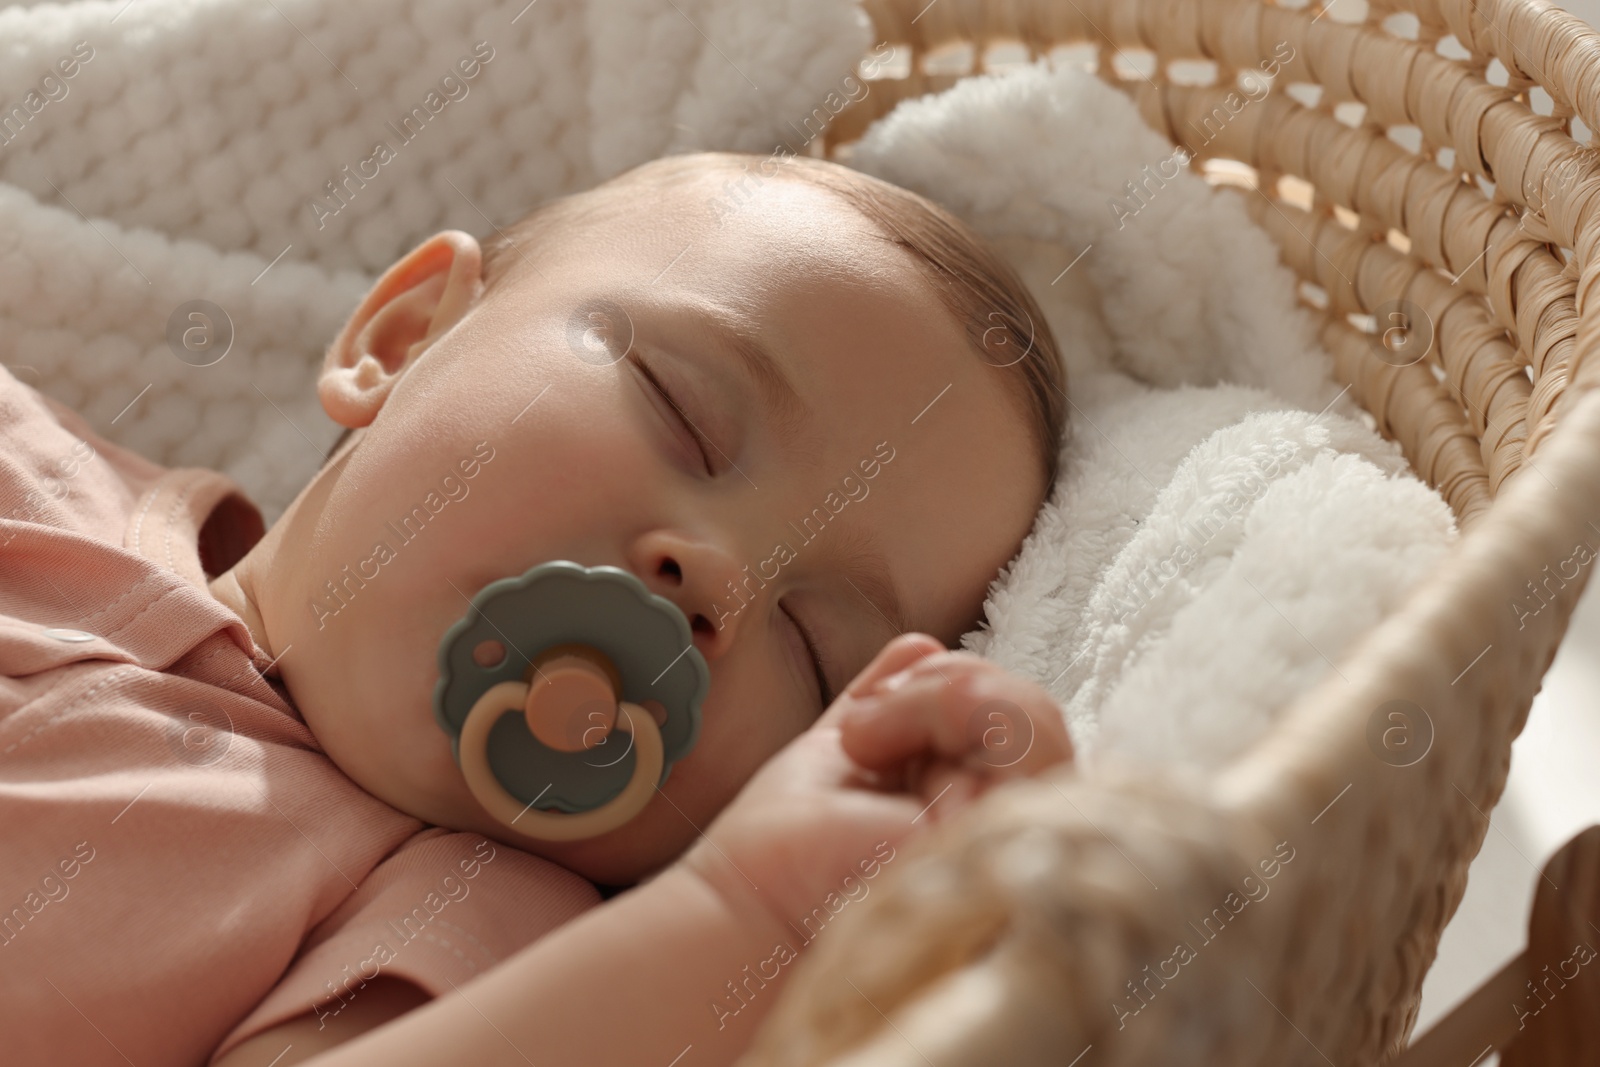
[542,687]
[507,697]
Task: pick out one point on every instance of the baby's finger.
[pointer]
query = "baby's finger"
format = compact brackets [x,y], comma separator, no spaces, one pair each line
[958,718]
[945,790]
[904,651]
[913,719]
[898,655]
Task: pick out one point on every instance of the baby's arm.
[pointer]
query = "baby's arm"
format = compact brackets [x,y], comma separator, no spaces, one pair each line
[302,1037]
[677,967]
[633,980]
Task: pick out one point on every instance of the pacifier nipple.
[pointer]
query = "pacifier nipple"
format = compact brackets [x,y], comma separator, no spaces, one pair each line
[572,698]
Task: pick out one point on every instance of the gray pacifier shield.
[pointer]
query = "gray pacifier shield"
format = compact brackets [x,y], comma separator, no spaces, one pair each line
[646,637]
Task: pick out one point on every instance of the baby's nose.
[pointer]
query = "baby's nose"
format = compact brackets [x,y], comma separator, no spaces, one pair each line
[702,579]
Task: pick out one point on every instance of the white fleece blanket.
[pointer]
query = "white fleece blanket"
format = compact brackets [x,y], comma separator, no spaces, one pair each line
[1209,547]
[1226,523]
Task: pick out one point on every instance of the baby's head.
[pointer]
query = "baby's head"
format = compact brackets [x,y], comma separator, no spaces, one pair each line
[808,407]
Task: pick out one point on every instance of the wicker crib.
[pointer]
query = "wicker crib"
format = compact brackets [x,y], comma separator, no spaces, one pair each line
[1430,172]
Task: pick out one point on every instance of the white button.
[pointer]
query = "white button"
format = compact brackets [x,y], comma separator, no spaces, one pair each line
[69,635]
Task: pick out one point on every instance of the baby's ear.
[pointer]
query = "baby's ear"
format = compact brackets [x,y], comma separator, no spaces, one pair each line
[416,301]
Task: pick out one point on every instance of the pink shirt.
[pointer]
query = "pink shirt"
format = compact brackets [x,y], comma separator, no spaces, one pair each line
[181,866]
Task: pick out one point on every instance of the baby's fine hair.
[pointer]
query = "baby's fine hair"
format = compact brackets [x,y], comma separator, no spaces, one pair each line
[1002,320]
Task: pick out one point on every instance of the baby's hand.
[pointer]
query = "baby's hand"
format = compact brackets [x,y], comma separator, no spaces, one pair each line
[913,739]
[948,725]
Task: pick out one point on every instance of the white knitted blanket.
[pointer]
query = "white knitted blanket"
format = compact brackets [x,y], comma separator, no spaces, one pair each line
[1210,548]
[161,152]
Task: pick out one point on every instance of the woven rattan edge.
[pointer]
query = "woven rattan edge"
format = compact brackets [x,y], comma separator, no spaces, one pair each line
[1339,959]
[1099,875]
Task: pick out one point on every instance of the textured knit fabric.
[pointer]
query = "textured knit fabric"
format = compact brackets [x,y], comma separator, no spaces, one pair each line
[169,151]
[182,865]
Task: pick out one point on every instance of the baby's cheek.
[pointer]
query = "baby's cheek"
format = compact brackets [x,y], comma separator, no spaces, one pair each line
[741,729]
[584,472]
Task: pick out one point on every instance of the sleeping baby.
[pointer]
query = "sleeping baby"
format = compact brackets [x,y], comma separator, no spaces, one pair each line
[236,833]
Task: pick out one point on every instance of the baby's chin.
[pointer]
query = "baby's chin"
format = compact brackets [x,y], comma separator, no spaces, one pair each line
[422,780]
[621,857]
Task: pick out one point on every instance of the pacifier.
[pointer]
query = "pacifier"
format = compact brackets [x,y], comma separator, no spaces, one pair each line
[551,687]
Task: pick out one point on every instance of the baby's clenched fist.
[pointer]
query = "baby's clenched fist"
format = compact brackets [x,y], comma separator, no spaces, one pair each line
[946,725]
[920,732]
